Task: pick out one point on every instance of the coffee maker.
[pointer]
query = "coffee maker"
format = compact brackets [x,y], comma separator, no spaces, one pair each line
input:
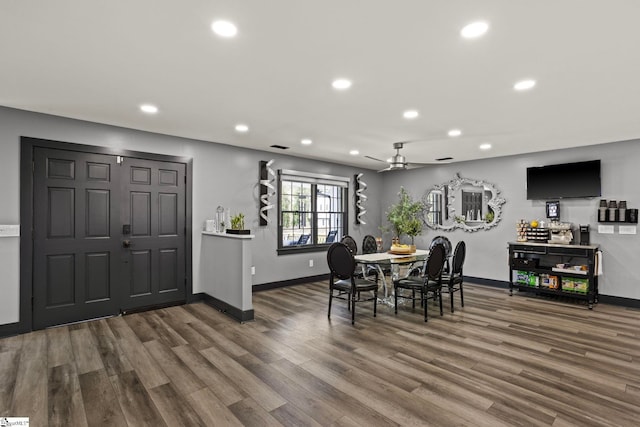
[584,234]
[561,232]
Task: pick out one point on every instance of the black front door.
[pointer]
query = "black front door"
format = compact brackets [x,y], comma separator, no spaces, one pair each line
[153,215]
[108,235]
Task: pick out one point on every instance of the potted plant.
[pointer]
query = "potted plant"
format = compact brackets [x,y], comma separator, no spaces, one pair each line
[405,216]
[237,225]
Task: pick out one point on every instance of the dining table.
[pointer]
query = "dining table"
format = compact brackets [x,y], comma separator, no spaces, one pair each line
[391,262]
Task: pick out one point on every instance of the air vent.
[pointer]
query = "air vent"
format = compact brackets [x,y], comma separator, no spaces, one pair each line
[442,159]
[280,147]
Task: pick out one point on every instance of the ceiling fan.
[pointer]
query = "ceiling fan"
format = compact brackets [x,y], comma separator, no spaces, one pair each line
[398,161]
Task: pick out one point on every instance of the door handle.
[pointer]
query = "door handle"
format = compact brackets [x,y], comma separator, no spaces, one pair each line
[126,243]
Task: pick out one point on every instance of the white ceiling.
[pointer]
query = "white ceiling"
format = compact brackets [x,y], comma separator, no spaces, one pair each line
[99,60]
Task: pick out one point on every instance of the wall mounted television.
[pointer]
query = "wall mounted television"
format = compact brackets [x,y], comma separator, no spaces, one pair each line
[567,180]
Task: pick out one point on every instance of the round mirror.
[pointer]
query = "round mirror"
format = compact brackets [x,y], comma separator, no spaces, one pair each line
[464,203]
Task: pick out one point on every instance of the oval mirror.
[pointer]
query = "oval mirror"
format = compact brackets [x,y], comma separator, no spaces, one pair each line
[465,203]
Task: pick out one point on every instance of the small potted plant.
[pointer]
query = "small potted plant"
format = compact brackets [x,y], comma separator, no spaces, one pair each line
[405,217]
[237,225]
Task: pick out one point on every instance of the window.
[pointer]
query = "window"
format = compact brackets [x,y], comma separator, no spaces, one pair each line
[312,211]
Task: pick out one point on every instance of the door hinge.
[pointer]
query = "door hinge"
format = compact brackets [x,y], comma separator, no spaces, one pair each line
[185,179]
[33,167]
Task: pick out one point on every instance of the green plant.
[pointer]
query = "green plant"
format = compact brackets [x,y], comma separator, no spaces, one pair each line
[237,222]
[405,216]
[489,216]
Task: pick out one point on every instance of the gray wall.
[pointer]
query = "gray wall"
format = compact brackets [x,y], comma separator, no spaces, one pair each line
[227,176]
[222,175]
[487,250]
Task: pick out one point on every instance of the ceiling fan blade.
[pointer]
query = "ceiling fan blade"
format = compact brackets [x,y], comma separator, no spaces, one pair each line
[377,160]
[421,164]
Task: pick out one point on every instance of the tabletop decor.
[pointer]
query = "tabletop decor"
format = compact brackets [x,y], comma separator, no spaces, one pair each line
[237,225]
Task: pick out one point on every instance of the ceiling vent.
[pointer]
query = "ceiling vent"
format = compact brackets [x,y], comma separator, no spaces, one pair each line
[280,147]
[443,159]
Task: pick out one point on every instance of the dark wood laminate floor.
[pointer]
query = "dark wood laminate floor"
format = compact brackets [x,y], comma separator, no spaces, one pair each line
[499,361]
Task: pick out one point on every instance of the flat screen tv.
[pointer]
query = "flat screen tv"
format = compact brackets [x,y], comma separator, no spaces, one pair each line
[581,179]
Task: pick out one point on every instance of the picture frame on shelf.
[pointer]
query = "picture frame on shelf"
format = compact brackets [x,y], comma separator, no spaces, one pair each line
[553,210]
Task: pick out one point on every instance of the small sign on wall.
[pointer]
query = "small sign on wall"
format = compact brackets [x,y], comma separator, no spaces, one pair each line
[627,229]
[9,230]
[605,229]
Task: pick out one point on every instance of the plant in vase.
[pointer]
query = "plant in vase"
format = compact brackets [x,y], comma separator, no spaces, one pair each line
[237,225]
[405,217]
[237,222]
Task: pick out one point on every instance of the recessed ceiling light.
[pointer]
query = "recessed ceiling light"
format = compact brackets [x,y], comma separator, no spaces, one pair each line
[410,114]
[475,29]
[306,141]
[524,84]
[242,128]
[341,84]
[149,108]
[454,132]
[485,146]
[354,152]
[224,28]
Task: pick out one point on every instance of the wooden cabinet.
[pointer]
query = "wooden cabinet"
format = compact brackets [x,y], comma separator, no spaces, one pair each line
[554,269]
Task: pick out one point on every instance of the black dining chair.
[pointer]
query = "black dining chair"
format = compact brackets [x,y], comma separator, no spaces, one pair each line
[453,279]
[444,241]
[342,278]
[369,245]
[429,285]
[303,239]
[351,244]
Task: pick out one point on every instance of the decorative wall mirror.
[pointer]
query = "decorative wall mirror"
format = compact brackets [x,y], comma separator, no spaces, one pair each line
[464,203]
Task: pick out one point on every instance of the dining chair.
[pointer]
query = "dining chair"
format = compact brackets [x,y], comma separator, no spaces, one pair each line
[444,241]
[454,278]
[429,285]
[303,239]
[342,278]
[369,244]
[351,244]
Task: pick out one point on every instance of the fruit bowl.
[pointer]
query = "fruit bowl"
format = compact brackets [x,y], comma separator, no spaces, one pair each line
[402,249]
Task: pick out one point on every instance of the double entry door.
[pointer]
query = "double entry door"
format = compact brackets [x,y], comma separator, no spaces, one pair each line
[108,235]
